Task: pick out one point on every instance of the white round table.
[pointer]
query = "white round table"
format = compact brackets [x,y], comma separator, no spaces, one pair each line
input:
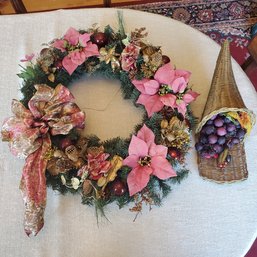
[198,219]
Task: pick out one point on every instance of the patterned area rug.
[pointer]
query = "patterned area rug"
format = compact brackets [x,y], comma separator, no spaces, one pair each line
[219,19]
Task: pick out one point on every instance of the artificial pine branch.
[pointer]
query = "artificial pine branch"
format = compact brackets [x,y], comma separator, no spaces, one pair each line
[181,174]
[121,25]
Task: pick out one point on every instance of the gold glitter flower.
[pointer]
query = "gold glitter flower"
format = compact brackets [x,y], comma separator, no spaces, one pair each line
[152,60]
[175,133]
[108,56]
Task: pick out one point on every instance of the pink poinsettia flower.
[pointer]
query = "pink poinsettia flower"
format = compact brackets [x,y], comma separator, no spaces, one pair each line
[129,57]
[146,159]
[78,47]
[28,58]
[168,88]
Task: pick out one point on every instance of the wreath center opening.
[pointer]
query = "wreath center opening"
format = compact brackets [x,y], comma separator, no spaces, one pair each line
[108,115]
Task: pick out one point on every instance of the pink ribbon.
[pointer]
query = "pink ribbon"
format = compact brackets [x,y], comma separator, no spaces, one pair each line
[51,112]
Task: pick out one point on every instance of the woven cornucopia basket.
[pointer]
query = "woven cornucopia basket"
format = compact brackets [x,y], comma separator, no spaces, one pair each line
[223,97]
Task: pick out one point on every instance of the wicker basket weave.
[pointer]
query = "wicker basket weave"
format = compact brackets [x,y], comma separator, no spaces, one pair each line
[224,97]
[235,171]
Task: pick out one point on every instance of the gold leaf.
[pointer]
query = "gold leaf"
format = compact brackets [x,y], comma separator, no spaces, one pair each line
[45,69]
[98,194]
[103,51]
[115,65]
[173,121]
[223,156]
[51,77]
[110,56]
[79,163]
[116,164]
[164,124]
[101,181]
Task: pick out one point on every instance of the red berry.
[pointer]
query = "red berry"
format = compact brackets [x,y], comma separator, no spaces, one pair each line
[119,188]
[58,64]
[187,122]
[165,59]
[215,156]
[174,153]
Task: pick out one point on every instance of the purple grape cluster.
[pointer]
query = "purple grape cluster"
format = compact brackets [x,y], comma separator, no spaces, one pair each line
[217,134]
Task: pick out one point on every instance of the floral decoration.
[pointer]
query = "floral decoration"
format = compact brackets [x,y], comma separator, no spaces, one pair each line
[168,88]
[97,164]
[47,124]
[28,58]
[129,57]
[146,158]
[78,48]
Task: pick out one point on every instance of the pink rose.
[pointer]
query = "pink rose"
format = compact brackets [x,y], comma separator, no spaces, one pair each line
[129,57]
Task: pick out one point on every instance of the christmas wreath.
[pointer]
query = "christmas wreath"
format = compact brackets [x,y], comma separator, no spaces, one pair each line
[46,126]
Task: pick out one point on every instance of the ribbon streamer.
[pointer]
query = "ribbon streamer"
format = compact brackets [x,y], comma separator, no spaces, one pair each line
[33,188]
[51,112]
